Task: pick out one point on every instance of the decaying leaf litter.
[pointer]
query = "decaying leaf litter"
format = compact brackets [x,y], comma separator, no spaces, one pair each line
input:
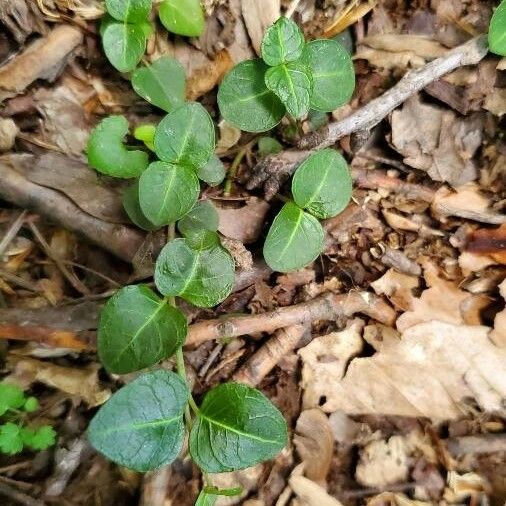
[386,355]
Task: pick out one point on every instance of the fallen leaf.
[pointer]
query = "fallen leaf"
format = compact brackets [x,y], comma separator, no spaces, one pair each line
[82,383]
[383,462]
[436,141]
[471,262]
[490,242]
[420,45]
[229,137]
[429,372]
[387,60]
[496,102]
[258,16]
[8,133]
[398,287]
[393,499]
[315,443]
[498,334]
[310,493]
[462,486]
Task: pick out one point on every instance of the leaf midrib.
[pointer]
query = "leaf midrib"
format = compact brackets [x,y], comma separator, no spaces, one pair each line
[141,425]
[292,233]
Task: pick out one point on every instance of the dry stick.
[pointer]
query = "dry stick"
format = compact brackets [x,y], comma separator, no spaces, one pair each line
[325,307]
[12,232]
[18,497]
[120,240]
[271,169]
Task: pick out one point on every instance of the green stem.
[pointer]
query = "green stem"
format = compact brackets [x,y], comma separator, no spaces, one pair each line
[233,170]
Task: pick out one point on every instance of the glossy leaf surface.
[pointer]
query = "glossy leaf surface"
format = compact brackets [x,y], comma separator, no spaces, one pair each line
[141,426]
[133,208]
[213,172]
[237,427]
[124,45]
[130,11]
[497,30]
[203,217]
[294,239]
[283,42]
[184,17]
[137,329]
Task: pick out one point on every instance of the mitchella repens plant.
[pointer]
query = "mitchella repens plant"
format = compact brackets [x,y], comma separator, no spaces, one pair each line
[144,424]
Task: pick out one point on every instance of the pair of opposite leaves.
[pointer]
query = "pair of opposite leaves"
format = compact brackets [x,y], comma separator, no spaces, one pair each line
[126,30]
[292,76]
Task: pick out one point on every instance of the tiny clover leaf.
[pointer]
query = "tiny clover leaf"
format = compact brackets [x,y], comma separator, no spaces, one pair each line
[283,42]
[201,275]
[203,217]
[322,184]
[162,83]
[292,83]
[11,397]
[38,439]
[497,30]
[246,102]
[141,426]
[137,329]
[130,11]
[133,208]
[167,192]
[186,136]
[294,239]
[11,441]
[236,427]
[146,134]
[31,404]
[213,172]
[107,153]
[183,17]
[124,44]
[333,74]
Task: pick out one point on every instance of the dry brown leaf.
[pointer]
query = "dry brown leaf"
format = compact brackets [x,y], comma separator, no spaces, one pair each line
[387,60]
[462,486]
[8,133]
[436,141]
[496,102]
[398,287]
[315,443]
[471,262]
[82,383]
[259,15]
[324,362]
[498,334]
[393,499]
[383,462]
[242,257]
[430,372]
[310,493]
[490,242]
[420,45]
[229,137]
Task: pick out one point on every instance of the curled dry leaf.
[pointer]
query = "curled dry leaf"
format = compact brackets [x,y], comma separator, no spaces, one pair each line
[310,493]
[315,443]
[429,372]
[81,383]
[398,287]
[498,334]
[420,45]
[383,462]
[462,486]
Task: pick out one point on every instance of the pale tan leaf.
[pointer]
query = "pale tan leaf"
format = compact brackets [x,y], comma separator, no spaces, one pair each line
[498,334]
[420,45]
[310,493]
[398,287]
[259,15]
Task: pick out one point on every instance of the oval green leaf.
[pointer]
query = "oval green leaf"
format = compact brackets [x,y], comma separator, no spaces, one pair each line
[203,276]
[294,240]
[107,153]
[124,45]
[203,216]
[283,42]
[186,136]
[213,172]
[322,184]
[184,17]
[133,208]
[137,329]
[130,11]
[141,426]
[246,102]
[162,83]
[292,83]
[237,427]
[497,30]
[167,192]
[333,74]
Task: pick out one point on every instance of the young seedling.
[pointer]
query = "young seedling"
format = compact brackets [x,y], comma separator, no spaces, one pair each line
[292,76]
[14,434]
[497,30]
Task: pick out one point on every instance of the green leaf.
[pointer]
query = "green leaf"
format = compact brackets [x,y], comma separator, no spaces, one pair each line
[141,426]
[333,74]
[209,495]
[133,208]
[167,192]
[107,153]
[186,136]
[236,427]
[162,83]
[39,439]
[11,397]
[205,499]
[213,172]
[11,441]
[246,102]
[137,329]
[31,404]
[268,146]
[203,276]
[497,30]
[184,17]
[283,42]
[146,134]
[124,45]
[322,184]
[203,217]
[294,239]
[130,11]
[292,83]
